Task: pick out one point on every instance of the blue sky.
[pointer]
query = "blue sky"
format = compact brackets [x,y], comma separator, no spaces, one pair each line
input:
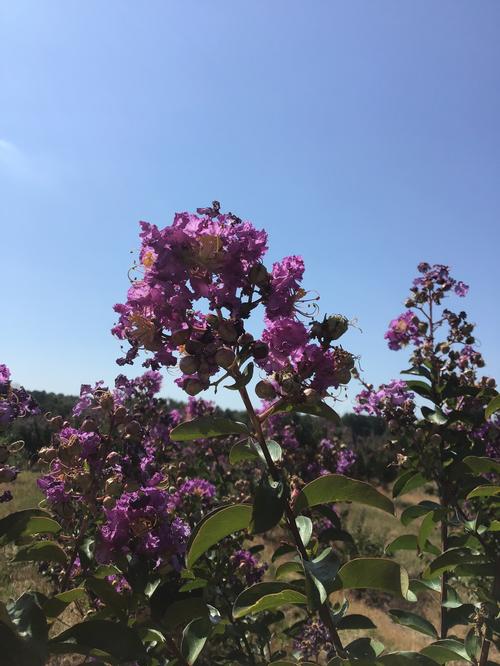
[363,135]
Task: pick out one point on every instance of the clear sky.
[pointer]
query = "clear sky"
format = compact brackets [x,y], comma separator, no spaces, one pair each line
[363,135]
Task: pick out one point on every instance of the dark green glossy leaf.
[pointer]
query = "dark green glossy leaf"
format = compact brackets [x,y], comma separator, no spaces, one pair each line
[484,491]
[183,611]
[446,650]
[266,596]
[194,638]
[413,621]
[205,427]
[288,568]
[251,450]
[482,465]
[215,526]
[355,622]
[315,409]
[408,481]
[26,523]
[268,505]
[493,406]
[422,388]
[117,640]
[41,551]
[241,382]
[305,527]
[434,416]
[449,560]
[320,577]
[409,542]
[364,648]
[340,488]
[54,606]
[375,573]
[413,512]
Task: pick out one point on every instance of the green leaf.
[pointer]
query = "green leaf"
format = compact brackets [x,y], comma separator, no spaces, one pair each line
[41,551]
[408,481]
[482,465]
[436,417]
[422,388]
[54,606]
[449,560]
[284,570]
[420,585]
[493,406]
[305,527]
[363,648]
[405,659]
[320,576]
[416,511]
[446,650]
[413,621]
[26,523]
[205,427]
[340,488]
[249,449]
[419,371]
[427,527]
[377,574]
[215,526]
[355,622]
[194,638]
[196,584]
[315,409]
[266,596]
[472,643]
[105,591]
[284,549]
[28,617]
[409,542]
[117,640]
[183,611]
[484,491]
[268,505]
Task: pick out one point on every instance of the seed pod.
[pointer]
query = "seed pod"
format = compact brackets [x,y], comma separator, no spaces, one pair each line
[225,357]
[311,395]
[265,390]
[258,275]
[106,401]
[133,428]
[113,458]
[336,326]
[113,485]
[260,350]
[47,454]
[56,422]
[194,347]
[245,339]
[227,331]
[193,387]
[108,502]
[89,425]
[189,364]
[120,414]
[180,337]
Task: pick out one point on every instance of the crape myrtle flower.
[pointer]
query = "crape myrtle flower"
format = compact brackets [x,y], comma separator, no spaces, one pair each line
[140,524]
[313,639]
[387,399]
[215,260]
[403,330]
[246,565]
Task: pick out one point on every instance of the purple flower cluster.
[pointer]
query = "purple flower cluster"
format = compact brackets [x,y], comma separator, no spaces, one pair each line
[140,524]
[14,403]
[246,565]
[403,330]
[437,279]
[385,400]
[313,639]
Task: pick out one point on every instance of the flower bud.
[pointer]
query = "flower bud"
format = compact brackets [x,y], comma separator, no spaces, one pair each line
[225,357]
[113,485]
[311,395]
[113,458]
[343,376]
[106,401]
[436,439]
[227,331]
[89,425]
[7,474]
[56,422]
[336,326]
[120,414]
[258,275]
[189,364]
[193,347]
[133,429]
[265,390]
[193,387]
[260,350]
[212,320]
[108,502]
[180,337]
[245,339]
[47,454]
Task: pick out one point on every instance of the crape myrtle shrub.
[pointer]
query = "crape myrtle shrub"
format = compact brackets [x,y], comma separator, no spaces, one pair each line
[182,535]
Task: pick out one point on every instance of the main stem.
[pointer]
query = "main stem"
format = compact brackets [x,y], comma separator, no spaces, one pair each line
[324,611]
